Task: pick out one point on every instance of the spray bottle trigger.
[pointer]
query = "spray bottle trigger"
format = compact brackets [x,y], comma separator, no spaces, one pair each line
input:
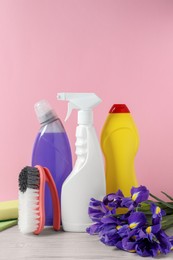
[71,106]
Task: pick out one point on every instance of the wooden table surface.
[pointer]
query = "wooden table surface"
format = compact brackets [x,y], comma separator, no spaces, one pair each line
[60,245]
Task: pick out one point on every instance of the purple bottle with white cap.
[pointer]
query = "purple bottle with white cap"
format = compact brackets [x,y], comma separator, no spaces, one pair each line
[51,150]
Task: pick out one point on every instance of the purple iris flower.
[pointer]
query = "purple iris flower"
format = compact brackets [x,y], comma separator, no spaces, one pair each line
[128,203]
[112,231]
[151,241]
[110,240]
[140,242]
[94,229]
[144,247]
[164,242]
[152,245]
[113,200]
[130,231]
[142,239]
[97,210]
[149,232]
[157,213]
[138,195]
[135,222]
[171,241]
[129,242]
[108,234]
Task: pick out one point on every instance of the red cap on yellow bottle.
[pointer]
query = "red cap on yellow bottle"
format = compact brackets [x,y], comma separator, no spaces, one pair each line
[119,108]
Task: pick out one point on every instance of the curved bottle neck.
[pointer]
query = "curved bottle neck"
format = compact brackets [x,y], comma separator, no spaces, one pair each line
[50,120]
[85,117]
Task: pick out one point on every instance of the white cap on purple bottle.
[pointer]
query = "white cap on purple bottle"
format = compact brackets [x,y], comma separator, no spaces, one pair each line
[44,111]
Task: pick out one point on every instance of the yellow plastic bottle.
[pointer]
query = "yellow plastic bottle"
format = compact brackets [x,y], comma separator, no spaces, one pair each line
[119,142]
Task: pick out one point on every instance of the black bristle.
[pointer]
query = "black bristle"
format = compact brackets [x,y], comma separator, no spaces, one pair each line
[33,178]
[29,177]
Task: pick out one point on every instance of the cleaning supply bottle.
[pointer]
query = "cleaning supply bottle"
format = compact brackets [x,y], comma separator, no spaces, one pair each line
[87,178]
[51,150]
[119,142]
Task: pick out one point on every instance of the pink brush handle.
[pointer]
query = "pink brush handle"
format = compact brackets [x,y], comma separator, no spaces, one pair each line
[55,199]
[41,209]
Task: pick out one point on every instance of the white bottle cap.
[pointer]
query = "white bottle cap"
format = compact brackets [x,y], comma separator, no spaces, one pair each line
[85,117]
[44,111]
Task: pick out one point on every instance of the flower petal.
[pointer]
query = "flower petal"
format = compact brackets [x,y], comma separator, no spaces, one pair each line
[136,220]
[128,245]
[110,241]
[157,211]
[94,229]
[113,199]
[144,247]
[97,210]
[110,220]
[108,229]
[165,244]
[139,194]
[153,229]
[127,202]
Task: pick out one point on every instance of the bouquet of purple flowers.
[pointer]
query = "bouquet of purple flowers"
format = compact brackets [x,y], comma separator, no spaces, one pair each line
[140,229]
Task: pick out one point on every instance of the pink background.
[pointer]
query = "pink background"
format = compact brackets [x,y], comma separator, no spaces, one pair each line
[121,50]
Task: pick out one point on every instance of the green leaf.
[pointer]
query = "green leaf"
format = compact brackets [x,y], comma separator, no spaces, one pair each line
[162,206]
[167,222]
[168,196]
[163,202]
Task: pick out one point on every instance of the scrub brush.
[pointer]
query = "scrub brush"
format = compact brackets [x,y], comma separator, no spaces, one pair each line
[31,199]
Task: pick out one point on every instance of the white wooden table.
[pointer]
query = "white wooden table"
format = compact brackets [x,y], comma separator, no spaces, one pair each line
[60,245]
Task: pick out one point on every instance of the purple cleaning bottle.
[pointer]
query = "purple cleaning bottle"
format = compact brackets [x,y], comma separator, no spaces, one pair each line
[51,150]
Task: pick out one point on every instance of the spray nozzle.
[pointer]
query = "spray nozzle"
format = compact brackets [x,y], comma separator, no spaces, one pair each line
[84,102]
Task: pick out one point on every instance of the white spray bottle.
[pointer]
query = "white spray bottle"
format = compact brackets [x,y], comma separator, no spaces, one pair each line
[87,179]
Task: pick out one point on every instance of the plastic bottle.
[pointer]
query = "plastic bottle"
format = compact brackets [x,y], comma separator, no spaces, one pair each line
[87,178]
[119,142]
[51,150]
